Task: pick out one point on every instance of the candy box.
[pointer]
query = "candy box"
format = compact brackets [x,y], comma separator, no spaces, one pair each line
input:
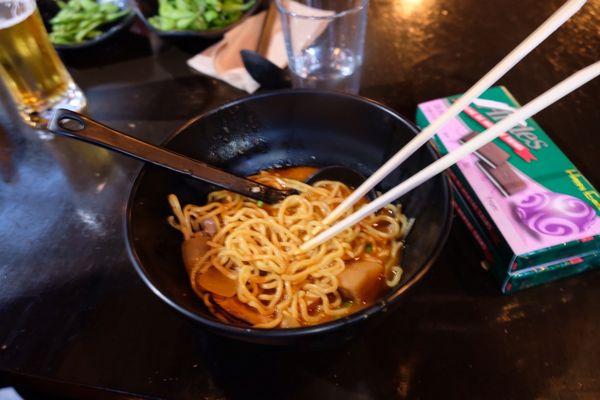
[534,215]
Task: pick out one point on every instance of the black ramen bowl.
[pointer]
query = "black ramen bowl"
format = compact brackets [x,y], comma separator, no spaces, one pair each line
[146,9]
[272,130]
[49,8]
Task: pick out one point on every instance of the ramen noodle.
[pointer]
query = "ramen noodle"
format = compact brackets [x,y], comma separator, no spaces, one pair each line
[244,261]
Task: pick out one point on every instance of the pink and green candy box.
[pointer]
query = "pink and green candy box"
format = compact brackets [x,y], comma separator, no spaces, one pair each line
[532,213]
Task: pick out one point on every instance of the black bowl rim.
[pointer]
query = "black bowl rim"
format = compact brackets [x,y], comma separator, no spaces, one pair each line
[207,34]
[388,302]
[119,26]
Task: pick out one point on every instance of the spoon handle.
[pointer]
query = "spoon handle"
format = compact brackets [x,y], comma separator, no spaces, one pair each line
[77,126]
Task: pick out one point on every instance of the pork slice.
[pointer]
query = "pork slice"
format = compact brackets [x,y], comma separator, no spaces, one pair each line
[240,310]
[193,249]
[215,282]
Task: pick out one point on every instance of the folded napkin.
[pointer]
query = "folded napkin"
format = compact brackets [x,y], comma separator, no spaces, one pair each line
[223,60]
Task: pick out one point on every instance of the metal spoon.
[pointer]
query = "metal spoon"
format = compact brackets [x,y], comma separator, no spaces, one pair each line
[77,126]
[74,125]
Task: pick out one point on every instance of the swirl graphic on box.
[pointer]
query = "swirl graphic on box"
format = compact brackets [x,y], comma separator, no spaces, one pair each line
[555,214]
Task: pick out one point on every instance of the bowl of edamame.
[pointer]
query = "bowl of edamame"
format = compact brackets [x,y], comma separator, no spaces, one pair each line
[194,18]
[74,24]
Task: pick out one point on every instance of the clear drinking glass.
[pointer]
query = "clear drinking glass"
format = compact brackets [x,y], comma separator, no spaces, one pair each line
[35,77]
[325,42]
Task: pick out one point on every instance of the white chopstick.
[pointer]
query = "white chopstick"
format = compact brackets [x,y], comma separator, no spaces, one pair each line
[563,88]
[530,43]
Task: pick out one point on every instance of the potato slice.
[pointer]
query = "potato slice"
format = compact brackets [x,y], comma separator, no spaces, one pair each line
[289,322]
[361,280]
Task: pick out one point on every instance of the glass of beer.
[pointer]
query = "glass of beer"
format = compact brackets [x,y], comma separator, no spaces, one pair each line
[30,68]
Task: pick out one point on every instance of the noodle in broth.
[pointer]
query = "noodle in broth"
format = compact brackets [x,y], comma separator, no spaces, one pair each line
[250,268]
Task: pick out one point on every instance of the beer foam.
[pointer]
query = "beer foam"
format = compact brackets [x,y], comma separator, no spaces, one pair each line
[13,12]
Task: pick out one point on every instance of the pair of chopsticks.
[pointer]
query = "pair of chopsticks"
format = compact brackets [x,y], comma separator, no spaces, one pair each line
[549,97]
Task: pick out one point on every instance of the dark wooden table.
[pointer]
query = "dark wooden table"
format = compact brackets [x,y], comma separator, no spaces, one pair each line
[76,319]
